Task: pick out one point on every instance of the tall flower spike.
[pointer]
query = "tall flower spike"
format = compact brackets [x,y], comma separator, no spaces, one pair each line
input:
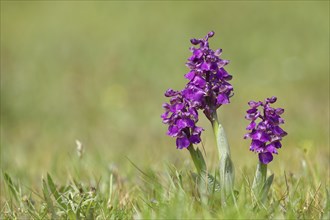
[208,86]
[265,130]
[207,90]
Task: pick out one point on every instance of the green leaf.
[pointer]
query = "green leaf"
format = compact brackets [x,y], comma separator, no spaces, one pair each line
[48,200]
[90,210]
[226,166]
[213,183]
[32,211]
[13,189]
[198,159]
[327,206]
[259,178]
[78,209]
[71,215]
[54,191]
[266,187]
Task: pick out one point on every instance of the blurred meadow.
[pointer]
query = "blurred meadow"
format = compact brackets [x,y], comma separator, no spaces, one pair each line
[97,71]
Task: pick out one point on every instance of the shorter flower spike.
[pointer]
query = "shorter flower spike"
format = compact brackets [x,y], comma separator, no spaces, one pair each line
[181,118]
[266,133]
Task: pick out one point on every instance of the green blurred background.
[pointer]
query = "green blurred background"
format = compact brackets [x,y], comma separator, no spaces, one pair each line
[97,71]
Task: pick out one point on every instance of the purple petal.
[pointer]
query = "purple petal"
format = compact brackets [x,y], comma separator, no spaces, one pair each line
[275,138]
[262,126]
[199,81]
[222,73]
[218,52]
[222,99]
[254,104]
[195,139]
[198,53]
[271,100]
[184,123]
[194,41]
[197,130]
[252,110]
[166,121]
[193,112]
[193,93]
[205,66]
[270,112]
[224,88]
[182,142]
[210,34]
[213,66]
[173,130]
[221,64]
[279,111]
[251,126]
[252,116]
[261,136]
[164,115]
[228,85]
[265,158]
[271,148]
[274,119]
[279,131]
[277,144]
[248,135]
[170,93]
[190,75]
[264,137]
[177,107]
[181,123]
[166,106]
[257,146]
[174,100]
[198,96]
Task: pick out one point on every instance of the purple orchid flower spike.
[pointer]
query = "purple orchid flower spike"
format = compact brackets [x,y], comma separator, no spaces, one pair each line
[181,118]
[265,130]
[208,86]
[207,90]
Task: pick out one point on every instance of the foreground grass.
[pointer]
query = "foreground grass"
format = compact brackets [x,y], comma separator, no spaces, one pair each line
[170,194]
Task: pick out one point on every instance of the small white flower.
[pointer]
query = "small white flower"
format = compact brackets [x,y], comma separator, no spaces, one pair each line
[80,149]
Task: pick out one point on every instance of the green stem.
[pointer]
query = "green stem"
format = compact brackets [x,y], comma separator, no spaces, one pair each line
[220,136]
[226,165]
[198,159]
[200,165]
[259,179]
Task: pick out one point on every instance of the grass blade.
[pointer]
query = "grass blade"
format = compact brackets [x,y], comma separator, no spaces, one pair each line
[48,200]
[13,189]
[54,191]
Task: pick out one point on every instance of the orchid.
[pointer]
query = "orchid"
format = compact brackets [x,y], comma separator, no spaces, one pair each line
[265,130]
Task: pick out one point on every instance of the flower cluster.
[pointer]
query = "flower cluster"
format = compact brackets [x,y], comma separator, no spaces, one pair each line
[266,133]
[181,118]
[207,90]
[208,86]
